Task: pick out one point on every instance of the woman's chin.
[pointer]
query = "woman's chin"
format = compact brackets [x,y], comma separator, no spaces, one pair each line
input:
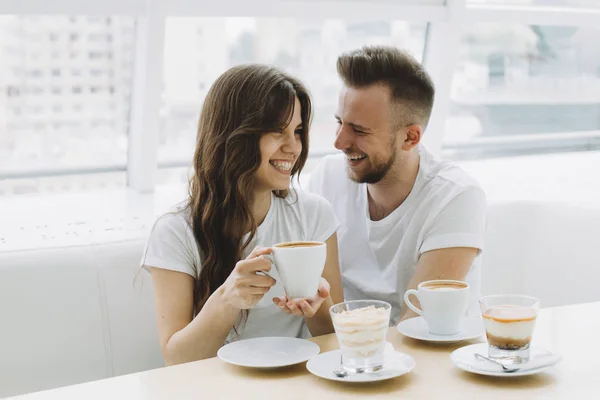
[282,185]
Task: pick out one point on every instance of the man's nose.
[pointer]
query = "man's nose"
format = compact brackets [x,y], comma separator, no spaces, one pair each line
[343,138]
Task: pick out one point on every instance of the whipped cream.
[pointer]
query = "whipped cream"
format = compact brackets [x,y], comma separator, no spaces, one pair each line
[362,331]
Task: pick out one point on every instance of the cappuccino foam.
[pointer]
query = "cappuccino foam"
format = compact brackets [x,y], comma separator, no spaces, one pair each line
[445,286]
[297,244]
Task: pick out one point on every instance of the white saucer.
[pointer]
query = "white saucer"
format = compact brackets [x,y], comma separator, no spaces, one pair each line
[540,360]
[395,364]
[268,352]
[416,328]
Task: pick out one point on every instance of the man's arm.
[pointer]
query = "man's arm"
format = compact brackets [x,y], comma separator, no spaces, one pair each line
[452,242]
[451,263]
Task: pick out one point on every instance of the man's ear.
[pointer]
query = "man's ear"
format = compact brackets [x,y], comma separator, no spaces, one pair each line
[413,135]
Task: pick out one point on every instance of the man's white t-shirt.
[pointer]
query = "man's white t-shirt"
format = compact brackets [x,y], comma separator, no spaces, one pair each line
[300,216]
[446,208]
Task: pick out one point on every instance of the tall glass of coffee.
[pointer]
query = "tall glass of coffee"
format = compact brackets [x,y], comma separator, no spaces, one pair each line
[509,321]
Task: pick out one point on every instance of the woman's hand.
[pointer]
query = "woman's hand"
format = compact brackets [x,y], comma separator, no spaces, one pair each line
[304,307]
[245,287]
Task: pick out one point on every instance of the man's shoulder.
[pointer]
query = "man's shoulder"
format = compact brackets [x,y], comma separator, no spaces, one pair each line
[448,173]
[458,177]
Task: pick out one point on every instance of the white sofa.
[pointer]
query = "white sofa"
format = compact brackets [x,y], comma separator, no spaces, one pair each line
[550,250]
[73,314]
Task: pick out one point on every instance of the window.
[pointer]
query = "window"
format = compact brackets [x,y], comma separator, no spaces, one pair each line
[66,80]
[550,3]
[96,37]
[12,91]
[525,89]
[198,50]
[56,126]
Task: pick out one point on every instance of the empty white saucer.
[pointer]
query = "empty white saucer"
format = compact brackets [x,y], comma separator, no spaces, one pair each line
[416,328]
[268,352]
[464,358]
[395,364]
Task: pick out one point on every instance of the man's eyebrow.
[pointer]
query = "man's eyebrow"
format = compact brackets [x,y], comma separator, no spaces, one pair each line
[355,125]
[359,127]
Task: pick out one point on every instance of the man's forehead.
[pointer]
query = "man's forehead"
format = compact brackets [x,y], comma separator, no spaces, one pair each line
[368,103]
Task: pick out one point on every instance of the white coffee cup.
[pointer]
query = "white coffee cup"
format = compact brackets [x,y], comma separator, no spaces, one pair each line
[300,266]
[444,304]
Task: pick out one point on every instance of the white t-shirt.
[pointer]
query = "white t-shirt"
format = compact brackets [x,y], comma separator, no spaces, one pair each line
[446,208]
[299,217]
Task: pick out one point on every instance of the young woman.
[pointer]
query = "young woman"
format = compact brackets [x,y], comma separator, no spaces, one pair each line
[205,257]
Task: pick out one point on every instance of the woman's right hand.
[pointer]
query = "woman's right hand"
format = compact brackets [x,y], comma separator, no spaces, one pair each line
[244,287]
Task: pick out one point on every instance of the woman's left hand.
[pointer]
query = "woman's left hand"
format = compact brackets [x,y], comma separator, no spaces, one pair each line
[304,307]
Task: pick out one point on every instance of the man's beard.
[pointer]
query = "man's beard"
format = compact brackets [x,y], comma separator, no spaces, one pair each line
[376,172]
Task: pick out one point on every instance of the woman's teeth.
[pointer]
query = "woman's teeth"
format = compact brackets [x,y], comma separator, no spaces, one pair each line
[285,166]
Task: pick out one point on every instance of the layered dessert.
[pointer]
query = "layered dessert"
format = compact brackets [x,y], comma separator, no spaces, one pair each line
[509,327]
[361,332]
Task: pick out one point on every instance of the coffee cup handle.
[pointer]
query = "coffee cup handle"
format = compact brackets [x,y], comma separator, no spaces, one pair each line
[269,257]
[272,260]
[409,304]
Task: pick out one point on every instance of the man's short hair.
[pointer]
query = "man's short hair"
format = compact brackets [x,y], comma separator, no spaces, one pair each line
[410,85]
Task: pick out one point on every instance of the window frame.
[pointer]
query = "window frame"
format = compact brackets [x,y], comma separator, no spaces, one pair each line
[440,54]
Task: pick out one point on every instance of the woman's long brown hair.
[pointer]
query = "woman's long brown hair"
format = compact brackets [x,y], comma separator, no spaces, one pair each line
[243,104]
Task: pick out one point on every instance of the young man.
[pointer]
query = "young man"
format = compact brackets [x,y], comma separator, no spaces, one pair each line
[406,216]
